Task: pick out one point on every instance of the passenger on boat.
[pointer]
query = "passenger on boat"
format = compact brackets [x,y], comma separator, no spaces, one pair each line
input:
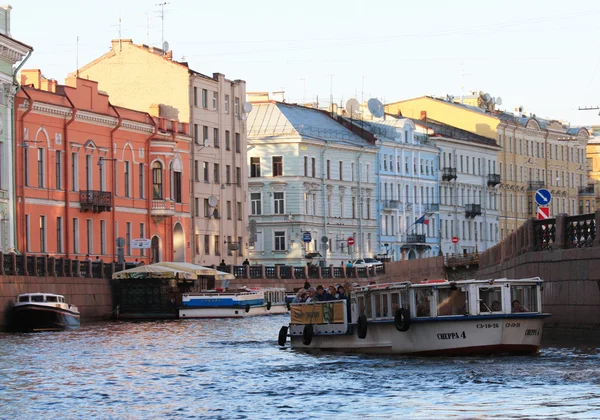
[496,306]
[423,308]
[331,293]
[340,292]
[312,293]
[300,296]
[321,295]
[518,307]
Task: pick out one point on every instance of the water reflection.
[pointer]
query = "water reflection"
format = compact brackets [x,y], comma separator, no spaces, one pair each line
[234,369]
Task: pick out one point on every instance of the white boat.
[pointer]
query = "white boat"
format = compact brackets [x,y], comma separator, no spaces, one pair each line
[233,304]
[43,312]
[435,317]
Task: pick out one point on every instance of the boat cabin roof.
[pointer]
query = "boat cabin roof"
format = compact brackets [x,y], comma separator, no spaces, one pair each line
[441,283]
[40,294]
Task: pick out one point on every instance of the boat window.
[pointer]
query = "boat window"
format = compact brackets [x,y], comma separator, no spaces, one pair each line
[451,302]
[365,305]
[37,298]
[524,298]
[422,297]
[381,306]
[61,299]
[395,302]
[490,299]
[51,299]
[23,298]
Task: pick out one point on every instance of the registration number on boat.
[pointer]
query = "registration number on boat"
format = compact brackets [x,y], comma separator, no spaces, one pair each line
[491,325]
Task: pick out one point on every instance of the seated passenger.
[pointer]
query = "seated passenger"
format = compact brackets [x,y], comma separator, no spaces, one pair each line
[300,296]
[496,306]
[320,296]
[330,293]
[518,307]
[312,293]
[341,292]
[423,308]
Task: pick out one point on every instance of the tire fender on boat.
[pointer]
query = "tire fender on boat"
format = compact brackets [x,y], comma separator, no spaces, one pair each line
[402,319]
[361,325]
[268,305]
[282,336]
[307,334]
[247,308]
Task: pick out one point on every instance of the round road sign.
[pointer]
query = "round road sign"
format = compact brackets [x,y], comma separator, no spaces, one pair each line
[350,240]
[455,239]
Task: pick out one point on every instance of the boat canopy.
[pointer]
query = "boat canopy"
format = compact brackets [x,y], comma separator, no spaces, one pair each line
[154,271]
[196,270]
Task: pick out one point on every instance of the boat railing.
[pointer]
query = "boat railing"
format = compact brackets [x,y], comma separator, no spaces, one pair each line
[327,312]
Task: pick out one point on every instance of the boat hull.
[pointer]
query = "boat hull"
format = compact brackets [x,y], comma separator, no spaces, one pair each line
[232,312]
[472,336]
[31,318]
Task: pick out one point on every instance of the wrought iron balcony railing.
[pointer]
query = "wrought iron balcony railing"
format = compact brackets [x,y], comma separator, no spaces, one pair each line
[95,201]
[448,174]
[472,210]
[493,180]
[589,190]
[415,239]
[536,185]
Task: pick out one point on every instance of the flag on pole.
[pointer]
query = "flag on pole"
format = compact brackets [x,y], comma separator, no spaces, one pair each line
[422,220]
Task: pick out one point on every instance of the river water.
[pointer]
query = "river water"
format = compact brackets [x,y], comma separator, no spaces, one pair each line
[235,369]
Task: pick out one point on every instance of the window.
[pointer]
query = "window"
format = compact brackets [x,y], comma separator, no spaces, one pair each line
[255,204]
[197,243]
[216,169]
[26,165]
[277,166]
[228,174]
[215,101]
[279,242]
[341,170]
[58,170]
[196,139]
[490,299]
[195,96]
[227,140]
[238,176]
[196,207]
[328,169]
[278,200]
[157,182]
[42,233]
[204,98]
[313,167]
[196,171]
[239,212]
[75,235]
[205,170]
[40,167]
[227,104]
[177,186]
[27,234]
[128,237]
[236,105]
[352,169]
[127,179]
[228,210]
[206,208]
[206,244]
[237,143]
[142,176]
[306,166]
[229,241]
[88,172]
[103,237]
[216,137]
[90,236]
[217,245]
[59,235]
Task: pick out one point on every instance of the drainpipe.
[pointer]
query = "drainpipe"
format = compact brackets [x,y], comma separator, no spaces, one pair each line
[323,193]
[235,185]
[114,183]
[66,172]
[149,181]
[22,173]
[360,203]
[13,239]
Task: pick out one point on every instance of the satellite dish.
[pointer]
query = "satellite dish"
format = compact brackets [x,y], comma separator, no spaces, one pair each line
[375,107]
[212,201]
[352,106]
[247,107]
[498,101]
[487,97]
[165,46]
[333,108]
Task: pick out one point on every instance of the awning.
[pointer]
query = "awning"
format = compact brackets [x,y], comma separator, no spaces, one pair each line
[196,270]
[152,271]
[312,255]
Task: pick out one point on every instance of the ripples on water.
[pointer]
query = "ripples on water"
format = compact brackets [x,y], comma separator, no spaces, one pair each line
[235,369]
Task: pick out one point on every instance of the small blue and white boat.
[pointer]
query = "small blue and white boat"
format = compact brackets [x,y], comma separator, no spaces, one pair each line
[221,303]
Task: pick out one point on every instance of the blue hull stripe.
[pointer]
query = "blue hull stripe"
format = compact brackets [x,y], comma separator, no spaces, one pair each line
[459,318]
[221,302]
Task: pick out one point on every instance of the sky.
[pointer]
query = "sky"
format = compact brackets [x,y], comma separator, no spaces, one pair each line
[543,55]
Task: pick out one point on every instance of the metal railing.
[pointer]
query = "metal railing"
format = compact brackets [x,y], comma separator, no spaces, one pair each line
[589,190]
[581,231]
[536,185]
[544,234]
[493,180]
[415,239]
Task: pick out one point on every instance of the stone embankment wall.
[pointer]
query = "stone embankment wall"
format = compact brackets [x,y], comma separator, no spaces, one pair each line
[565,253]
[93,297]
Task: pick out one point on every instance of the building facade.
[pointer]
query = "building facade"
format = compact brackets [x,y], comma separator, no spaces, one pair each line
[137,76]
[312,187]
[88,172]
[12,52]
[525,162]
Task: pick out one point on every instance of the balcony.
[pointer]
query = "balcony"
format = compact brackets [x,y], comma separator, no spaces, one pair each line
[431,207]
[589,190]
[464,260]
[391,204]
[493,180]
[448,174]
[161,209]
[95,201]
[536,185]
[415,239]
[472,210]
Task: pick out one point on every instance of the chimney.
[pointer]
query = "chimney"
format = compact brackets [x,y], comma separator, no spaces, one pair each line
[423,115]
[31,77]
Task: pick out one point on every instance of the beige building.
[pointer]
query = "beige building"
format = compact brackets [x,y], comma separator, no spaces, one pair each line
[534,154]
[149,79]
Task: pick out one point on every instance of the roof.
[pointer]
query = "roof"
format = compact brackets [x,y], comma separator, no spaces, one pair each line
[446,130]
[275,119]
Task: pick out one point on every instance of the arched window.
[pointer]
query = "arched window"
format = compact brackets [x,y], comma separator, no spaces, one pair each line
[157,181]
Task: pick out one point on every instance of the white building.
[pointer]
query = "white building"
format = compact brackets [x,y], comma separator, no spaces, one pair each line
[311,185]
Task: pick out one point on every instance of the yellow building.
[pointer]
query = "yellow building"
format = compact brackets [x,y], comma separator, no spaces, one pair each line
[535,154]
[593,163]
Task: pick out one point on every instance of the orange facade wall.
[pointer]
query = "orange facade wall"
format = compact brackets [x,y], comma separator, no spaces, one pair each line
[92,172]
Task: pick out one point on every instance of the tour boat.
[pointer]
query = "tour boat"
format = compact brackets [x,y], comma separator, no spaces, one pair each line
[241,303]
[434,317]
[43,312]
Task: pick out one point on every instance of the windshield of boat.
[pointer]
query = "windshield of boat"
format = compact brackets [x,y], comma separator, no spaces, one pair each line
[51,299]
[451,302]
[37,298]
[524,298]
[490,299]
[23,298]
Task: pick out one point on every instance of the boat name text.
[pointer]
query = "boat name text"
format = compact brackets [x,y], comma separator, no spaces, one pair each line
[451,336]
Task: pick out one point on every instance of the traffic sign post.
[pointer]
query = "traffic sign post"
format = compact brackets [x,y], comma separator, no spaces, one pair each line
[543,213]
[306,237]
[543,197]
[350,241]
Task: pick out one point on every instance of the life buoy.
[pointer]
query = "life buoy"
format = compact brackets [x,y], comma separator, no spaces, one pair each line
[307,334]
[361,326]
[269,306]
[282,336]
[247,308]
[402,319]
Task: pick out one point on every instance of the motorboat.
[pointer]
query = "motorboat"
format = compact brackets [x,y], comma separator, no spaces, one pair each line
[431,318]
[223,303]
[43,312]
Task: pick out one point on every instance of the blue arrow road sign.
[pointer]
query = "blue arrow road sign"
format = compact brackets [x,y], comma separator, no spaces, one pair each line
[543,197]
[306,237]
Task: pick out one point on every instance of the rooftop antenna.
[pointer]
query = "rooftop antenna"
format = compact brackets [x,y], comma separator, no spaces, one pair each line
[162,21]
[148,27]
[462,87]
[362,91]
[77,57]
[303,91]
[331,92]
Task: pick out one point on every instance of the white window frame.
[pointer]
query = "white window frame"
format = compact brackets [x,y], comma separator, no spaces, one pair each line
[284,240]
[282,202]
[253,203]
